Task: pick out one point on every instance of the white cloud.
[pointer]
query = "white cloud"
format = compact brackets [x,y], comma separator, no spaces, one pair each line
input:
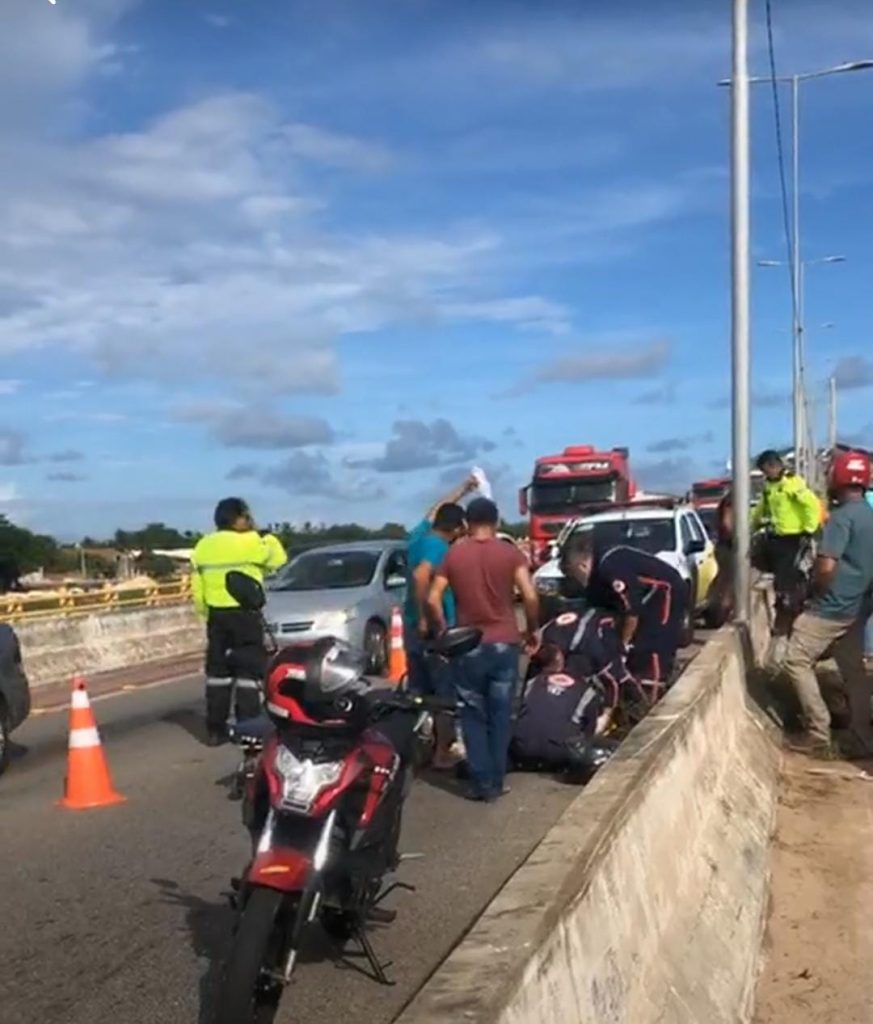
[321,146]
[9,387]
[529,312]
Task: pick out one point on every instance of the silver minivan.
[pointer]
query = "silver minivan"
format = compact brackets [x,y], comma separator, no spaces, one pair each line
[343,590]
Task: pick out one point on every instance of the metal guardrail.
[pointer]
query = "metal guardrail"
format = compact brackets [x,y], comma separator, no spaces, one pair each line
[21,608]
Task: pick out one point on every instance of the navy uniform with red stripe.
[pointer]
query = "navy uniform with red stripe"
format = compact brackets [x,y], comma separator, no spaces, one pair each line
[638,584]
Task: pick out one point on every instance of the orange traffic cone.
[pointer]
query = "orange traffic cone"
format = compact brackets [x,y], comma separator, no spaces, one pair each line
[87,783]
[397,661]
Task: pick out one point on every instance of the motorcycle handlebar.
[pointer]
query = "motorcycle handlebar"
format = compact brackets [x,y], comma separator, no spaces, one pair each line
[413,702]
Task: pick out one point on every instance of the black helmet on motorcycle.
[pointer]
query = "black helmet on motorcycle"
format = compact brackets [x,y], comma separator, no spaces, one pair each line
[334,670]
[307,682]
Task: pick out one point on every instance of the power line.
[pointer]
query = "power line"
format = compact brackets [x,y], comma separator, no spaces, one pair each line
[780,151]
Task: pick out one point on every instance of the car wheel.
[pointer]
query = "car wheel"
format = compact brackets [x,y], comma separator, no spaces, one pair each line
[687,638]
[4,737]
[376,648]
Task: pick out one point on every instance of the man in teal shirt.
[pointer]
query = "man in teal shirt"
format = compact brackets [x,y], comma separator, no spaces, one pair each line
[842,584]
[426,549]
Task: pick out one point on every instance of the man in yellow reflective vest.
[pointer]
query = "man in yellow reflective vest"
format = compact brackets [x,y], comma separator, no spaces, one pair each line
[234,637]
[792,513]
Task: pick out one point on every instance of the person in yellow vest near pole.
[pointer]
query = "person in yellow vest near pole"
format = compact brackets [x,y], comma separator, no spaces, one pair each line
[792,514]
[235,652]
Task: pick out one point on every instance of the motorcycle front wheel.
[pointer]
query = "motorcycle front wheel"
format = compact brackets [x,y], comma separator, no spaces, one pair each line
[245,988]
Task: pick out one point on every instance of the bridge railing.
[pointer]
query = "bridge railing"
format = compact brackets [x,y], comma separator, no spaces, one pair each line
[70,603]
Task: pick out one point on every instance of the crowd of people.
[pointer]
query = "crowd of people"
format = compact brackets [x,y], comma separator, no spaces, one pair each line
[614,647]
[820,555]
[610,654]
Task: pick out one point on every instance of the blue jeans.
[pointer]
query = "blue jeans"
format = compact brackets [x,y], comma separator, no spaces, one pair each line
[426,674]
[485,681]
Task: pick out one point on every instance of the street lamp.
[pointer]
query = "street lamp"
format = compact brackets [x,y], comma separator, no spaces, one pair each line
[802,425]
[794,81]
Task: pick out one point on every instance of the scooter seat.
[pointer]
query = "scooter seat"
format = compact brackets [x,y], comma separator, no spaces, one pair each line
[257,729]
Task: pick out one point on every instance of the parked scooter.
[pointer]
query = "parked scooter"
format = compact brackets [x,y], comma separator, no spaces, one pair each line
[323,805]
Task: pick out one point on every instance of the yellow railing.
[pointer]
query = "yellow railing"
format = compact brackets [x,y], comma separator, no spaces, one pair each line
[70,604]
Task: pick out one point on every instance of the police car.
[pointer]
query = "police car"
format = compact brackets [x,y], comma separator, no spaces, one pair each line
[670,530]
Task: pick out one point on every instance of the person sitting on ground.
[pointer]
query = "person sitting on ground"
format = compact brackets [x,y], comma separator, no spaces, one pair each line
[576,680]
[426,549]
[842,583]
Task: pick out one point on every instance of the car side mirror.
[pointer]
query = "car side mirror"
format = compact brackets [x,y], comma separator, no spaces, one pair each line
[395,581]
[695,547]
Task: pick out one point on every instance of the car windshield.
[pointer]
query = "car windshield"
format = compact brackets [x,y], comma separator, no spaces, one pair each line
[327,570]
[651,535]
[552,498]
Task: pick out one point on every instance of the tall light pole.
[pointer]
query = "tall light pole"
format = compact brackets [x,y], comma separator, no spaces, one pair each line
[802,424]
[740,308]
[832,413]
[797,329]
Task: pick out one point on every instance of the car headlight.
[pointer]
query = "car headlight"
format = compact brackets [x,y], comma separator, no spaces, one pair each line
[548,586]
[302,781]
[335,621]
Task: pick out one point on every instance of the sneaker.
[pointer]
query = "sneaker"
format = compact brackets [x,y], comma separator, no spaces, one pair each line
[854,747]
[812,746]
[477,795]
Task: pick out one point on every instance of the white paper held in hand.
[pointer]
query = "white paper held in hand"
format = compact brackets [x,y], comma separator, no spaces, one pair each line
[482,483]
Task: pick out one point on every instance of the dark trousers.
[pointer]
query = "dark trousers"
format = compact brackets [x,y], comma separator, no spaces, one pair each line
[653,656]
[235,660]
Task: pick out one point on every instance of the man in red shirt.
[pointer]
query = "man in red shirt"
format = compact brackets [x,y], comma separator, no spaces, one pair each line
[483,573]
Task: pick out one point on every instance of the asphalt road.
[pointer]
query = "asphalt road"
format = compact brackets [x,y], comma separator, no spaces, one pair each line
[118,915]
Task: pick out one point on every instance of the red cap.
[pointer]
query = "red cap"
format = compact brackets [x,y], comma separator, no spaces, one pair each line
[850,469]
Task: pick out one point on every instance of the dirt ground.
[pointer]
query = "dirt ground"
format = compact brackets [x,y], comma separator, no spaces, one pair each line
[818,949]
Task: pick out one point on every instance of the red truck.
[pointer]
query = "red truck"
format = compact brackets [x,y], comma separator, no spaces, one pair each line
[580,479]
[708,493]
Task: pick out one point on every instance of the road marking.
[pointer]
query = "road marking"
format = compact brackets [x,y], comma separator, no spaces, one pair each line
[127,688]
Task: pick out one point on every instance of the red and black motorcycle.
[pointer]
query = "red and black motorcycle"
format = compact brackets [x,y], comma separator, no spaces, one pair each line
[323,806]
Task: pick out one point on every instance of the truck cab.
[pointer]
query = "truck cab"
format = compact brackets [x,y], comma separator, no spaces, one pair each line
[579,479]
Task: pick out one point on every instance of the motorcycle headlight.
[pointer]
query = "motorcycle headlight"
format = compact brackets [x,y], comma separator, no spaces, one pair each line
[302,781]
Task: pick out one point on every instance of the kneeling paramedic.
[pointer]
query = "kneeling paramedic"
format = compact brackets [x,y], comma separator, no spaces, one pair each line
[577,678]
[649,596]
[234,637]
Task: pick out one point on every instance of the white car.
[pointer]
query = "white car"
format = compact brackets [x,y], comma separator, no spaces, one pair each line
[672,532]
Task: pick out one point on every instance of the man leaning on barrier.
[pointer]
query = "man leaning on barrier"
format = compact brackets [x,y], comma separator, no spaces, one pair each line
[834,620]
[234,637]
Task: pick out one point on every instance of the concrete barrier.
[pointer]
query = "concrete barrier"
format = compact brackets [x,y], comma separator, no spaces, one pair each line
[646,902]
[55,649]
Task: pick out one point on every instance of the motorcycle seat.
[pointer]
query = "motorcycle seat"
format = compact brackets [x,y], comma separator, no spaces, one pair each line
[258,728]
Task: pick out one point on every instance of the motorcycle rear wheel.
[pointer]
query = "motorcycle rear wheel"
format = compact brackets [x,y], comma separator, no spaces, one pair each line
[244,988]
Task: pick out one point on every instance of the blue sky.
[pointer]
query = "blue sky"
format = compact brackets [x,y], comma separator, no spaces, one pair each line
[331,254]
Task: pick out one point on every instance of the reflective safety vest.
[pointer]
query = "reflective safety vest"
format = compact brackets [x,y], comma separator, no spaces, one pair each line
[221,552]
[789,506]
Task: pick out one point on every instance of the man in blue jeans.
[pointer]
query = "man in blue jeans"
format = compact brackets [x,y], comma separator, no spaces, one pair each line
[426,549]
[484,572]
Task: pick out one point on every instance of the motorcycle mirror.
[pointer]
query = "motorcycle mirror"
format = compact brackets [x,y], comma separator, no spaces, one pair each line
[246,591]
